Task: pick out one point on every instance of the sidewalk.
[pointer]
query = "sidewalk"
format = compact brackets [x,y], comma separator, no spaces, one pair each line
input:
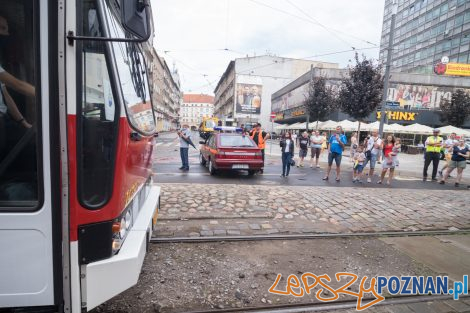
[207,210]
[411,165]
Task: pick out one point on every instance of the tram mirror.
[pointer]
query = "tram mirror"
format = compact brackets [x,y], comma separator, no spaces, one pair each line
[135,17]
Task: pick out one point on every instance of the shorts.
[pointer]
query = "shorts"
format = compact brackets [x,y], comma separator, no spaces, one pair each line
[457,164]
[303,153]
[386,164]
[334,156]
[316,152]
[359,168]
[373,160]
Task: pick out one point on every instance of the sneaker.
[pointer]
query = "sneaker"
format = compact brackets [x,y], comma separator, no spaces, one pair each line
[318,166]
[282,175]
[325,178]
[379,182]
[440,173]
[442,182]
[298,165]
[434,179]
[424,179]
[369,180]
[456,184]
[181,168]
[301,165]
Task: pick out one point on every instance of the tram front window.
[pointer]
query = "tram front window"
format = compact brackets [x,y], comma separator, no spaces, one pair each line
[19,106]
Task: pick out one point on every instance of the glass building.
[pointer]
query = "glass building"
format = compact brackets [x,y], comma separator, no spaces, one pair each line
[425,31]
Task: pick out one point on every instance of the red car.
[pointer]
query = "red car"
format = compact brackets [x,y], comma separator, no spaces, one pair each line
[230,151]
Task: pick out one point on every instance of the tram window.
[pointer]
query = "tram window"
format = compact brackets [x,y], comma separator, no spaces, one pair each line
[20,187]
[132,72]
[97,117]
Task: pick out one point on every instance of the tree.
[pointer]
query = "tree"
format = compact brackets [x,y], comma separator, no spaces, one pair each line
[361,92]
[319,101]
[455,111]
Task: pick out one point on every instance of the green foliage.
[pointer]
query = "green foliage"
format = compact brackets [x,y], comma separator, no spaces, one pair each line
[455,111]
[320,101]
[361,92]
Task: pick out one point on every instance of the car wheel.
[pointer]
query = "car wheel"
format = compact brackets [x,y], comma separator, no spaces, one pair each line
[251,172]
[202,161]
[211,168]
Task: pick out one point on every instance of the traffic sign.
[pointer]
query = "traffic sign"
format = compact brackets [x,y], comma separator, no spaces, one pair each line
[273,115]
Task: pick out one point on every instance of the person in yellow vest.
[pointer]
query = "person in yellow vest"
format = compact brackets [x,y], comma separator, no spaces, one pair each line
[433,147]
[259,137]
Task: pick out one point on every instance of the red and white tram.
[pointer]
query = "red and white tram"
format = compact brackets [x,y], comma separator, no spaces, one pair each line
[77,201]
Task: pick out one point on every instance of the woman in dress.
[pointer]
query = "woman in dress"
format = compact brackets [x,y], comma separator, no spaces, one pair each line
[389,161]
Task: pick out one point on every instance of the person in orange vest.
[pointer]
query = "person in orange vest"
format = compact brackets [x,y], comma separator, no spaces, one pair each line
[259,137]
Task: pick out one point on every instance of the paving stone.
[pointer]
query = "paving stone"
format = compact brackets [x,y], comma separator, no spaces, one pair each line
[458,306]
[194,234]
[255,226]
[233,232]
[206,233]
[220,232]
[266,226]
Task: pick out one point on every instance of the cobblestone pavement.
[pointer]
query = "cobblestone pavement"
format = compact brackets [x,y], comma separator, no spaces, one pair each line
[207,210]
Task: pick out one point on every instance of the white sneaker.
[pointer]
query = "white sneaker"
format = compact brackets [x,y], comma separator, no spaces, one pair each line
[369,180]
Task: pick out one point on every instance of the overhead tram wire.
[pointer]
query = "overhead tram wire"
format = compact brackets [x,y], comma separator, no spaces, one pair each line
[301,18]
[331,30]
[308,57]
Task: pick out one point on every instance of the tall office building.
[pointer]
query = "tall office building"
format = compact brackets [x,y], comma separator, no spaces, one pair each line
[425,31]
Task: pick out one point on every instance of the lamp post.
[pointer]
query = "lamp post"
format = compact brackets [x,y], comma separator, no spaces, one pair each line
[387,67]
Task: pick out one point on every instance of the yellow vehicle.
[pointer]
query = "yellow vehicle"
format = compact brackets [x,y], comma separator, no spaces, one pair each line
[207,126]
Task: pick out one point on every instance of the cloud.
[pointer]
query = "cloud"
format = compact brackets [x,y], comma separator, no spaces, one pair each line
[196,32]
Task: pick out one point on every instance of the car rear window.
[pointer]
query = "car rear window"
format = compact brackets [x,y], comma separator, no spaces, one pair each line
[236,141]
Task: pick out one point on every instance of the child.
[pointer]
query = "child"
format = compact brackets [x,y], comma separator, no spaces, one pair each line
[358,159]
[396,149]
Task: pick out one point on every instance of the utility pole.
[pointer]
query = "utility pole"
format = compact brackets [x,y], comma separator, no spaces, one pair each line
[387,67]
[307,111]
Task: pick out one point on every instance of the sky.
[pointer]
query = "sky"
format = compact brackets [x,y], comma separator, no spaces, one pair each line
[201,37]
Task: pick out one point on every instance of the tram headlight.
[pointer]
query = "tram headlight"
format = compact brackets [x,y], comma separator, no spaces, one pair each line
[121,227]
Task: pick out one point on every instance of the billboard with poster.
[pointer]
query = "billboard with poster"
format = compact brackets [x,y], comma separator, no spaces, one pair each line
[248,98]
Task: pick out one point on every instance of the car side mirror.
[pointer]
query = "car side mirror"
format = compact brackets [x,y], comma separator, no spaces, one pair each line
[136,18]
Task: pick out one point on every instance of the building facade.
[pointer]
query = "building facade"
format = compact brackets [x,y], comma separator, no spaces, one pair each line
[243,94]
[425,31]
[166,92]
[195,108]
[412,98]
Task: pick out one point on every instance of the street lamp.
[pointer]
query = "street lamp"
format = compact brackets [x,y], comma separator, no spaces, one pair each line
[387,67]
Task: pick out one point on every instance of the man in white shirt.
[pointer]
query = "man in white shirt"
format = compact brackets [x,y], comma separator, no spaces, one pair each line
[373,149]
[449,147]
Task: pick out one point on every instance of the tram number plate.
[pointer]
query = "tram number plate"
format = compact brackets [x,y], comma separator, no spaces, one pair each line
[240,166]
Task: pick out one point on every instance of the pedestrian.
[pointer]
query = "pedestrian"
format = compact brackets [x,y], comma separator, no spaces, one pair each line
[324,145]
[390,150]
[449,149]
[303,145]
[335,152]
[373,150]
[294,137]
[433,151]
[358,158]
[287,148]
[316,144]
[354,143]
[259,137]
[185,135]
[460,154]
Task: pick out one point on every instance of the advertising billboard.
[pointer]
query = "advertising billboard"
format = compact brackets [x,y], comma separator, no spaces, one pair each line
[454,69]
[249,98]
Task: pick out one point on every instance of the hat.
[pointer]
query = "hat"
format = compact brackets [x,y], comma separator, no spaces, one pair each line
[436,130]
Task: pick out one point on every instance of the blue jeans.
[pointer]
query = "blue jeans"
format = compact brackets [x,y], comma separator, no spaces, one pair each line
[184,157]
[286,159]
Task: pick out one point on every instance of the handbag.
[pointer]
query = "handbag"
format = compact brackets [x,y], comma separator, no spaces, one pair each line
[368,154]
[292,162]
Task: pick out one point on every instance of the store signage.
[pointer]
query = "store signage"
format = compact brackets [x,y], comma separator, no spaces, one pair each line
[298,113]
[279,116]
[399,115]
[455,69]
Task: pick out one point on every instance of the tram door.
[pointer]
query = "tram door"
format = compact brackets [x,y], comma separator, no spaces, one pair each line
[26,170]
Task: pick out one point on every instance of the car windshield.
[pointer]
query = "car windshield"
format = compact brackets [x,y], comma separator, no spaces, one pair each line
[236,141]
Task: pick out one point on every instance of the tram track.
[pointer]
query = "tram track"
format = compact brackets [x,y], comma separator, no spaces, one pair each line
[337,305]
[156,240]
